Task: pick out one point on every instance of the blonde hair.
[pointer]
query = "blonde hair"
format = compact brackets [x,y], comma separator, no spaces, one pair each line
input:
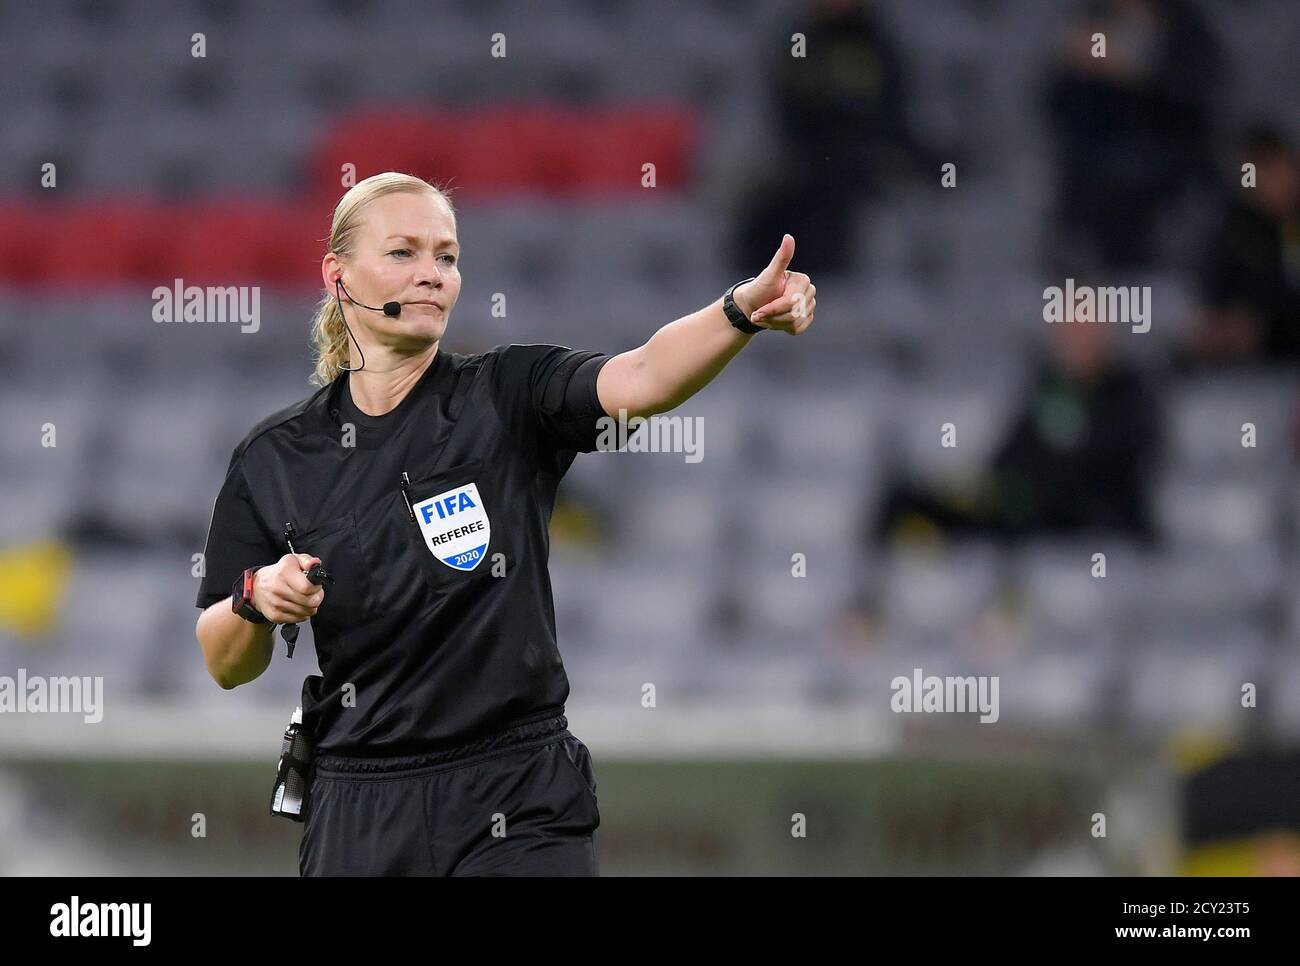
[329,336]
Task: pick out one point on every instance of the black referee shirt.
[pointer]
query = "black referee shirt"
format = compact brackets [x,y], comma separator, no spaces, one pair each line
[444,624]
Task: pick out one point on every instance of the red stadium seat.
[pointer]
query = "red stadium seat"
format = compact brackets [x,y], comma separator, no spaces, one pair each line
[537,149]
[541,149]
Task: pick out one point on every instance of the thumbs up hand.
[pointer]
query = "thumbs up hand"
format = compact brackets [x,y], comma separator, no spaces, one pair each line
[779,298]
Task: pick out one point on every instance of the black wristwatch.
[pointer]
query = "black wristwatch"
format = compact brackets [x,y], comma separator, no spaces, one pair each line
[736,317]
[241,598]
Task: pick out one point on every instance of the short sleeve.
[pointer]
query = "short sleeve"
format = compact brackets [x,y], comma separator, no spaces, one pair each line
[236,540]
[556,387]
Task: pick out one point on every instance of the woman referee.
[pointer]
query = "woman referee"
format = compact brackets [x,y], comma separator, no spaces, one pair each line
[423,481]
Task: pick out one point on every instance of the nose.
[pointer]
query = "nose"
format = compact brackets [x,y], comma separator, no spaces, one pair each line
[427,273]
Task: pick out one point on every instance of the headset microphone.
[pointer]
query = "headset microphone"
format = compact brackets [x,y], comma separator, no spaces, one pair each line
[390,309]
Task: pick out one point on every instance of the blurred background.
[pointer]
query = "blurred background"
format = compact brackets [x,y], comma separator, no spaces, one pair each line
[1163,696]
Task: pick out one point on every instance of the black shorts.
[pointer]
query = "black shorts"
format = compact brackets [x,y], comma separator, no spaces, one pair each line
[519,803]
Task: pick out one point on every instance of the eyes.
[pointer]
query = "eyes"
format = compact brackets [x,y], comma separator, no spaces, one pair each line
[451,259]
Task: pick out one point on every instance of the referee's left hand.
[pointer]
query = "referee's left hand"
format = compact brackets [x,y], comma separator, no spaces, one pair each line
[780,299]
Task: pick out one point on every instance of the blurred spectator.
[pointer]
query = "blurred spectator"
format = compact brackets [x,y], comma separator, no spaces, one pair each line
[1241,814]
[1133,128]
[1078,457]
[1252,272]
[841,135]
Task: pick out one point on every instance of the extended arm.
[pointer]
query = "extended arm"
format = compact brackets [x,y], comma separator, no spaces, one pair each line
[682,357]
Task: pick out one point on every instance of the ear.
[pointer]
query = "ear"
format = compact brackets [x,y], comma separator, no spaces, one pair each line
[331,270]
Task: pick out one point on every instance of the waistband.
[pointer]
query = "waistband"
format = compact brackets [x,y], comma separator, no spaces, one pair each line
[536,731]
